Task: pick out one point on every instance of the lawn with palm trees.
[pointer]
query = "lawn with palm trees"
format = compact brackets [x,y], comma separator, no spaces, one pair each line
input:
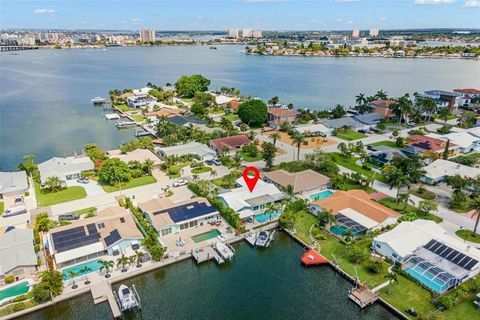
[349,135]
[132,183]
[50,198]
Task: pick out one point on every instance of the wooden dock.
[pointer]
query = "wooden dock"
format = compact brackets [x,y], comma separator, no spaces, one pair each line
[102,292]
[207,254]
[362,296]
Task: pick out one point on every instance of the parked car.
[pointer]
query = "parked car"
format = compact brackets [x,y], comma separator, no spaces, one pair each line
[179,183]
[217,162]
[18,200]
[209,162]
[83,180]
[68,217]
[412,124]
[362,131]
[145,257]
[14,211]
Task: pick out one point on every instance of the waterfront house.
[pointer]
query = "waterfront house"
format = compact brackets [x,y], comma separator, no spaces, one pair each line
[234,106]
[252,205]
[165,112]
[467,95]
[444,98]
[301,182]
[426,252]
[185,121]
[17,254]
[169,217]
[369,119]
[69,168]
[354,211]
[381,155]
[222,100]
[201,151]
[432,148]
[140,155]
[343,122]
[230,144]
[439,170]
[140,98]
[277,116]
[465,141]
[315,129]
[382,107]
[111,232]
[13,183]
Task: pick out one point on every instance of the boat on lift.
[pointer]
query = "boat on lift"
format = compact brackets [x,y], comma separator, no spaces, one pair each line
[127,298]
[98,100]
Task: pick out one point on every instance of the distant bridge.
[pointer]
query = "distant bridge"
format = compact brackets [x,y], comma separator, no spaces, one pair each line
[17,48]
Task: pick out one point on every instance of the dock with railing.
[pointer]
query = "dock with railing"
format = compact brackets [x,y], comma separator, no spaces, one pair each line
[102,292]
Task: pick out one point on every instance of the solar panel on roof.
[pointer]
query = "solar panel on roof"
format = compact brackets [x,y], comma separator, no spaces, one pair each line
[458,258]
[187,211]
[446,252]
[470,264]
[112,238]
[73,238]
[451,255]
[91,228]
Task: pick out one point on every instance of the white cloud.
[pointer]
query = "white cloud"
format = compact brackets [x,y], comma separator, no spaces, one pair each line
[135,20]
[339,20]
[349,22]
[433,2]
[472,4]
[43,11]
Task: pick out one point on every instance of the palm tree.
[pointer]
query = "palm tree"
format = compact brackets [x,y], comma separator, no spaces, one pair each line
[53,281]
[444,113]
[85,270]
[275,136]
[123,261]
[213,173]
[402,107]
[347,236]
[298,141]
[148,165]
[138,258]
[290,191]
[106,265]
[325,218]
[272,207]
[360,99]
[428,106]
[72,274]
[476,207]
[381,95]
[392,277]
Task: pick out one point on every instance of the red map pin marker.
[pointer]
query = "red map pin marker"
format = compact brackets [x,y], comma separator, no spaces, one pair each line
[251,181]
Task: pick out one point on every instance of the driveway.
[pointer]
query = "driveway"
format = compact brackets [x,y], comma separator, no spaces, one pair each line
[92,188]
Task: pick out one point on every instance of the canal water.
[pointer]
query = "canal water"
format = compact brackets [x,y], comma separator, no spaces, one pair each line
[258,284]
[45,106]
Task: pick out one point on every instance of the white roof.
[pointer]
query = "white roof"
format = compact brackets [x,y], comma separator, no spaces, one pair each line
[189,148]
[237,198]
[221,99]
[442,168]
[462,139]
[13,181]
[141,91]
[409,236]
[60,167]
[474,131]
[359,218]
[318,127]
[17,245]
[136,155]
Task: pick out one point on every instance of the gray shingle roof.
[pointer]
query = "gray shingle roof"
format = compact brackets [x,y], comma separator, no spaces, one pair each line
[13,182]
[17,245]
[340,122]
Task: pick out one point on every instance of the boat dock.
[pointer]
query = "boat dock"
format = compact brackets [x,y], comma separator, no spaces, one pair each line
[142,133]
[112,116]
[125,124]
[362,296]
[102,292]
[207,254]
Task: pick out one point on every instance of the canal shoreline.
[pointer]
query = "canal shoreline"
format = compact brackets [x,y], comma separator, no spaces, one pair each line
[171,261]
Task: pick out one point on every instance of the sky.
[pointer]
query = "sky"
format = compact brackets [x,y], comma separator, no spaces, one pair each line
[167,15]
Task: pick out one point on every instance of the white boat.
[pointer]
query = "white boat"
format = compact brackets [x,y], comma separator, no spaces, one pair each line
[224,250]
[263,239]
[98,100]
[126,298]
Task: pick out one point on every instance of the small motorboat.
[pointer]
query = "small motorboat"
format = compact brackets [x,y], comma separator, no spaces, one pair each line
[126,298]
[98,100]
[263,238]
[224,251]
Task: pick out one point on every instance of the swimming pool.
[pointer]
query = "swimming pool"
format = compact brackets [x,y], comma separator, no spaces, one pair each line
[340,231]
[92,264]
[14,290]
[320,195]
[206,235]
[264,217]
[427,279]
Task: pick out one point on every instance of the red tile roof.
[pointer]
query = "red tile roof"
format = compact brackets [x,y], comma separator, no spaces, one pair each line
[231,142]
[468,91]
[280,112]
[382,103]
[428,143]
[234,104]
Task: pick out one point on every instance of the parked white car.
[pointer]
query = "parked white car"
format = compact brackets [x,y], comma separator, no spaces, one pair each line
[179,183]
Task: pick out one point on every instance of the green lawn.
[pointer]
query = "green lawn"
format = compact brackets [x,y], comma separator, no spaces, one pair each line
[2,207]
[231,117]
[386,143]
[450,117]
[123,107]
[467,235]
[138,118]
[67,194]
[201,170]
[85,211]
[135,182]
[350,164]
[464,309]
[249,158]
[350,135]
[215,110]
[174,171]
[407,294]
[400,207]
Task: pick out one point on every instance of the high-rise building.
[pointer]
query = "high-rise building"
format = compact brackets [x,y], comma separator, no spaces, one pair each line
[147,35]
[355,33]
[257,33]
[373,32]
[233,33]
[247,33]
